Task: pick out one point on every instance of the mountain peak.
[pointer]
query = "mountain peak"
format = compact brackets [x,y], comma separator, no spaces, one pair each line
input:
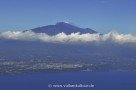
[59,27]
[62,23]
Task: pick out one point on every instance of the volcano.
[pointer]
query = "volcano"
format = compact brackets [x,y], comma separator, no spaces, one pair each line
[62,27]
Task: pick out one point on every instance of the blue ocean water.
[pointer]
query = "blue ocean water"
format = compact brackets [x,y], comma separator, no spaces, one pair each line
[53,81]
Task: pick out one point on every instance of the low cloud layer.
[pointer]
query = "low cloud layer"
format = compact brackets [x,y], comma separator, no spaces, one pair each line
[63,38]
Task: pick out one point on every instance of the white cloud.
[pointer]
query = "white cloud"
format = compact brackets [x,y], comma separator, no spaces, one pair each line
[73,38]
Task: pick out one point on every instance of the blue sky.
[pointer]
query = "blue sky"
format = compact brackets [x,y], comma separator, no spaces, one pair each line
[100,15]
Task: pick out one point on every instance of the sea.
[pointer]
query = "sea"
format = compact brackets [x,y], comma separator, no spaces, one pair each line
[69,81]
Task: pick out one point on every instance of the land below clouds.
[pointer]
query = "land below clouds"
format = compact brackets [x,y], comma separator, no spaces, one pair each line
[25,56]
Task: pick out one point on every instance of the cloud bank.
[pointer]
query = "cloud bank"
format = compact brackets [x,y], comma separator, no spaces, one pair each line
[73,37]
